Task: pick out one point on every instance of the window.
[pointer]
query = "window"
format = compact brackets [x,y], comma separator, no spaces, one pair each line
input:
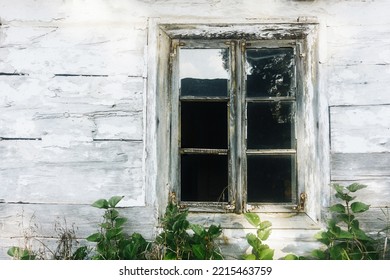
[236,104]
[239,118]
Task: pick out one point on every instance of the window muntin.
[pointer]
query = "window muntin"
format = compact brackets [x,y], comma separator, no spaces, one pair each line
[255,90]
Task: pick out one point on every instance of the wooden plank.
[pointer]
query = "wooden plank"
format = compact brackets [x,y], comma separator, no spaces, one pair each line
[362,129]
[78,107]
[78,49]
[360,166]
[235,221]
[358,84]
[32,172]
[346,45]
[299,242]
[40,219]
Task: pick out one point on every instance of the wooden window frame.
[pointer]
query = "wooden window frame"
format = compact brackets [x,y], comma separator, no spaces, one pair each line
[312,169]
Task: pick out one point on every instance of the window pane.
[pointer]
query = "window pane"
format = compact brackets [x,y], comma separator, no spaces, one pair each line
[204,72]
[270,178]
[204,178]
[270,125]
[204,125]
[270,72]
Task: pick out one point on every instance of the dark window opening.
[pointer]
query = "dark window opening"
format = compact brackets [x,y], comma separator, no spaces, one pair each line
[204,178]
[204,125]
[270,178]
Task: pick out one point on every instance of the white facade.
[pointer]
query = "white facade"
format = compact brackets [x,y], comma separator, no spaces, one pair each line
[80,90]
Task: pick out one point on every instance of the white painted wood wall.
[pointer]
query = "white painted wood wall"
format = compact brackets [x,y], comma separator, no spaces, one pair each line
[73,108]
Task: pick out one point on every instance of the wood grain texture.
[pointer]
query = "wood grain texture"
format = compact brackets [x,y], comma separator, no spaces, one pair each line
[32,172]
[106,50]
[73,107]
[358,84]
[362,129]
[360,166]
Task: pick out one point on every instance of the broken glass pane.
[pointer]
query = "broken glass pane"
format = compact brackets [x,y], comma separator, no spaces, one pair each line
[270,178]
[270,72]
[204,125]
[270,125]
[204,72]
[204,178]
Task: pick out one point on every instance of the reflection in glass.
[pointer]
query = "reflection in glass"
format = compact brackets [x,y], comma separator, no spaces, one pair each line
[204,72]
[204,125]
[270,125]
[270,72]
[270,178]
[204,178]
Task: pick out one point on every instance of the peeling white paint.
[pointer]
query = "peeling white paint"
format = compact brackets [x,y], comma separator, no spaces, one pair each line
[86,67]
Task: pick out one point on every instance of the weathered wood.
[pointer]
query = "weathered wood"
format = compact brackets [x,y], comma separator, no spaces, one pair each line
[300,242]
[363,129]
[32,172]
[346,45]
[360,166]
[40,219]
[236,221]
[73,107]
[73,50]
[358,84]
[377,193]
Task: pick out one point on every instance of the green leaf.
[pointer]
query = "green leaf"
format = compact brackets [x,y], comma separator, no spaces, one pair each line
[345,197]
[345,235]
[199,251]
[266,254]
[265,224]
[113,201]
[13,251]
[180,225]
[120,222]
[250,257]
[338,188]
[81,253]
[170,256]
[346,218]
[355,187]
[291,257]
[264,234]
[338,208]
[111,214]
[323,237]
[253,219]
[113,232]
[359,207]
[101,203]
[215,231]
[96,237]
[319,254]
[253,240]
[338,252]
[198,229]
[20,253]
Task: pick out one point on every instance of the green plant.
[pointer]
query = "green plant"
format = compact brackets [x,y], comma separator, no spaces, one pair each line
[260,251]
[35,249]
[111,241]
[383,234]
[344,239]
[181,240]
[19,253]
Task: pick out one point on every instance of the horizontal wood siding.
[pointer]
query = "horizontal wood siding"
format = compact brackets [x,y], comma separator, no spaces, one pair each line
[33,172]
[38,220]
[80,118]
[72,107]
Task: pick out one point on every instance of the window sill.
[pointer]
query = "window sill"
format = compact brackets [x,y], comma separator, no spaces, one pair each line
[237,221]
